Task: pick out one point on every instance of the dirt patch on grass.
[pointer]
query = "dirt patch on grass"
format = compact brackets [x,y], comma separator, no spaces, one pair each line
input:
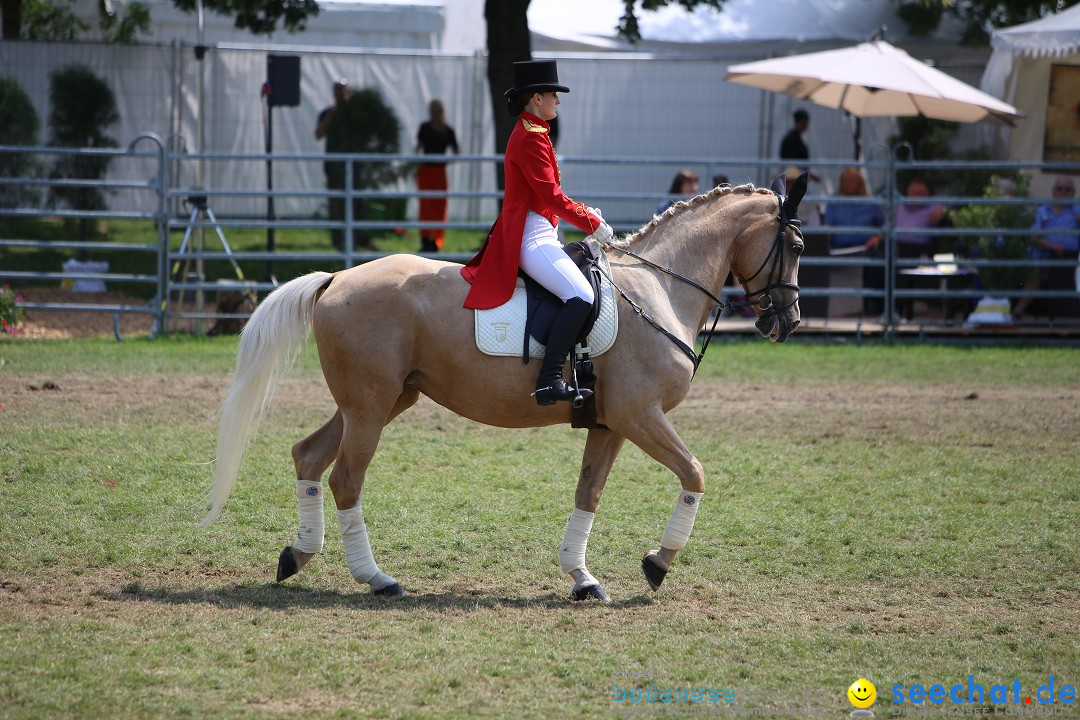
[1031,417]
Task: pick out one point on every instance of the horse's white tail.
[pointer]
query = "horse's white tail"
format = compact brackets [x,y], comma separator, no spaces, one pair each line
[269,344]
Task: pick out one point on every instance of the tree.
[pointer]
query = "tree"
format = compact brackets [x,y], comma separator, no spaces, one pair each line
[628,25]
[362,123]
[83,107]
[979,17]
[125,26]
[260,17]
[18,126]
[49,20]
[44,20]
[508,42]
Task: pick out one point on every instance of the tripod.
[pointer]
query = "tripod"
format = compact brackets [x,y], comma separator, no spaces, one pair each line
[200,206]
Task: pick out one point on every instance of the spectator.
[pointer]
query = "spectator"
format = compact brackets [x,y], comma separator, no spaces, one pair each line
[792,146]
[915,217]
[334,171]
[841,213]
[685,183]
[434,137]
[1060,215]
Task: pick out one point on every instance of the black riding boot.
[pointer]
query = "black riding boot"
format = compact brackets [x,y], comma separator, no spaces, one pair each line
[550,385]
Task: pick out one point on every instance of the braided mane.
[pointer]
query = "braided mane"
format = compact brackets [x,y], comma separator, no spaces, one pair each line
[685,205]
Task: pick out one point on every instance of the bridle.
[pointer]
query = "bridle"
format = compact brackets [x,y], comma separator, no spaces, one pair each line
[764,301]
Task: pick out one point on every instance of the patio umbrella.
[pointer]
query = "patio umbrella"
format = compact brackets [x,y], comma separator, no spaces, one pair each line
[874,79]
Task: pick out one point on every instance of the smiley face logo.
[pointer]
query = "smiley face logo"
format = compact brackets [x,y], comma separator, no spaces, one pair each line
[862,693]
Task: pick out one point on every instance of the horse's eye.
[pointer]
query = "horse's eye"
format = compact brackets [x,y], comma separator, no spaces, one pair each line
[797,248]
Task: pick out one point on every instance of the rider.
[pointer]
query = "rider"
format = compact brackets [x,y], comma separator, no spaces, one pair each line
[524,233]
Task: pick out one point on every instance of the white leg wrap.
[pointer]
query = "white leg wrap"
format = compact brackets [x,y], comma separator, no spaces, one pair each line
[681,521]
[309,496]
[572,550]
[358,550]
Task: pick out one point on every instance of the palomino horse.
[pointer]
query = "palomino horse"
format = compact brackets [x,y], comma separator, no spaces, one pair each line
[394,328]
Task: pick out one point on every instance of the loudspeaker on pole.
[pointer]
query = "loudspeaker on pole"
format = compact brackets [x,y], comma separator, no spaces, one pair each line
[283,75]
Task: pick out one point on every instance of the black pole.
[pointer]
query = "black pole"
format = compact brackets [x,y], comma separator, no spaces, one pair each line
[270,188]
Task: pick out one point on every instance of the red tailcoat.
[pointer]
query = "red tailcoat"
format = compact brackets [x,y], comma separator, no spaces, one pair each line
[532,183]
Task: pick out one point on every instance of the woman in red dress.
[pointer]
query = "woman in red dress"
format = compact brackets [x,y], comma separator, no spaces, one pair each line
[524,234]
[435,137]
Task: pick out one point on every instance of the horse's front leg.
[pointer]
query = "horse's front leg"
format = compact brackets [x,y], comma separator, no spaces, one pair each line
[654,434]
[601,449]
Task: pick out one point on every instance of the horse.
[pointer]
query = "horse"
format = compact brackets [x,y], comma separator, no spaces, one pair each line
[392,329]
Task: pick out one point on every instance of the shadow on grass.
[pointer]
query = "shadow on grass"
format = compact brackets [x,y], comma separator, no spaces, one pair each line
[272,596]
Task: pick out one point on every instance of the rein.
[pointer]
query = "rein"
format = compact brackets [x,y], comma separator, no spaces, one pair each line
[764,301]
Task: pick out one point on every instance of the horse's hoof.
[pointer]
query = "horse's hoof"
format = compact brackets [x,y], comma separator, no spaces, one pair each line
[654,573]
[391,590]
[590,591]
[286,564]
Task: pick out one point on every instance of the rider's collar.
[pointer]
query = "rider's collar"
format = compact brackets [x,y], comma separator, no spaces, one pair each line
[532,123]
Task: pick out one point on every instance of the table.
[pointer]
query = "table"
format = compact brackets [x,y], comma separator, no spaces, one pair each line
[949,277]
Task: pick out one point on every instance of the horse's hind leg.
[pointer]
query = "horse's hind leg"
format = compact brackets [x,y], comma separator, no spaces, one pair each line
[601,449]
[363,428]
[311,456]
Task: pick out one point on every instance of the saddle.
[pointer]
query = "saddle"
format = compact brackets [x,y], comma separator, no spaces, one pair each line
[531,311]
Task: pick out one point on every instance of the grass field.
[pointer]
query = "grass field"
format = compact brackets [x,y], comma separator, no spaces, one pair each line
[904,514]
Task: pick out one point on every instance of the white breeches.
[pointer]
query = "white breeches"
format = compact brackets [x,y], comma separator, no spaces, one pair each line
[542,259]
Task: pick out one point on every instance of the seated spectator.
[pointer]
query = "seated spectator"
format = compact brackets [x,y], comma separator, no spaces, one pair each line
[684,183]
[1059,215]
[917,217]
[842,213]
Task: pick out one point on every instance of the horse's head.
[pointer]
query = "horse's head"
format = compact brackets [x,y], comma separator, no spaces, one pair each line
[766,262]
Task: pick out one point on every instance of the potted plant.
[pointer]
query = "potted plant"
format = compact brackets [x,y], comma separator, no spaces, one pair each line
[998,281]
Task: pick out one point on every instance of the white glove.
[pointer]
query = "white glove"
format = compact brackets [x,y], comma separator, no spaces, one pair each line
[603,234]
[596,212]
[606,237]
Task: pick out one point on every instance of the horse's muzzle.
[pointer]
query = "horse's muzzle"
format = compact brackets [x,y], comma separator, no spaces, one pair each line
[776,327]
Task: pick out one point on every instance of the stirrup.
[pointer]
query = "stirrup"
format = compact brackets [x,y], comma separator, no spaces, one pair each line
[559,390]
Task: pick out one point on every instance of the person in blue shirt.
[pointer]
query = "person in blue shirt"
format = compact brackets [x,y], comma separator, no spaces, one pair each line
[841,213]
[1060,215]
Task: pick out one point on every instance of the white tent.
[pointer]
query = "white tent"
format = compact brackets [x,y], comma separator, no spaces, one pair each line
[1036,68]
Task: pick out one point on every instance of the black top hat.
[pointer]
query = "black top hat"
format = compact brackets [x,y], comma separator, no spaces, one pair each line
[535,76]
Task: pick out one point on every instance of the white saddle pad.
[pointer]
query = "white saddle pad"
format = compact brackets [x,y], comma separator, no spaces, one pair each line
[499,331]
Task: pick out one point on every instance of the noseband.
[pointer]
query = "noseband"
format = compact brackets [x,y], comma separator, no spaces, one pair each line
[776,254]
[764,300]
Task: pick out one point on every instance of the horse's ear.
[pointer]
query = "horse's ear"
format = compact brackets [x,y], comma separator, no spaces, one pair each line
[779,185]
[798,189]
